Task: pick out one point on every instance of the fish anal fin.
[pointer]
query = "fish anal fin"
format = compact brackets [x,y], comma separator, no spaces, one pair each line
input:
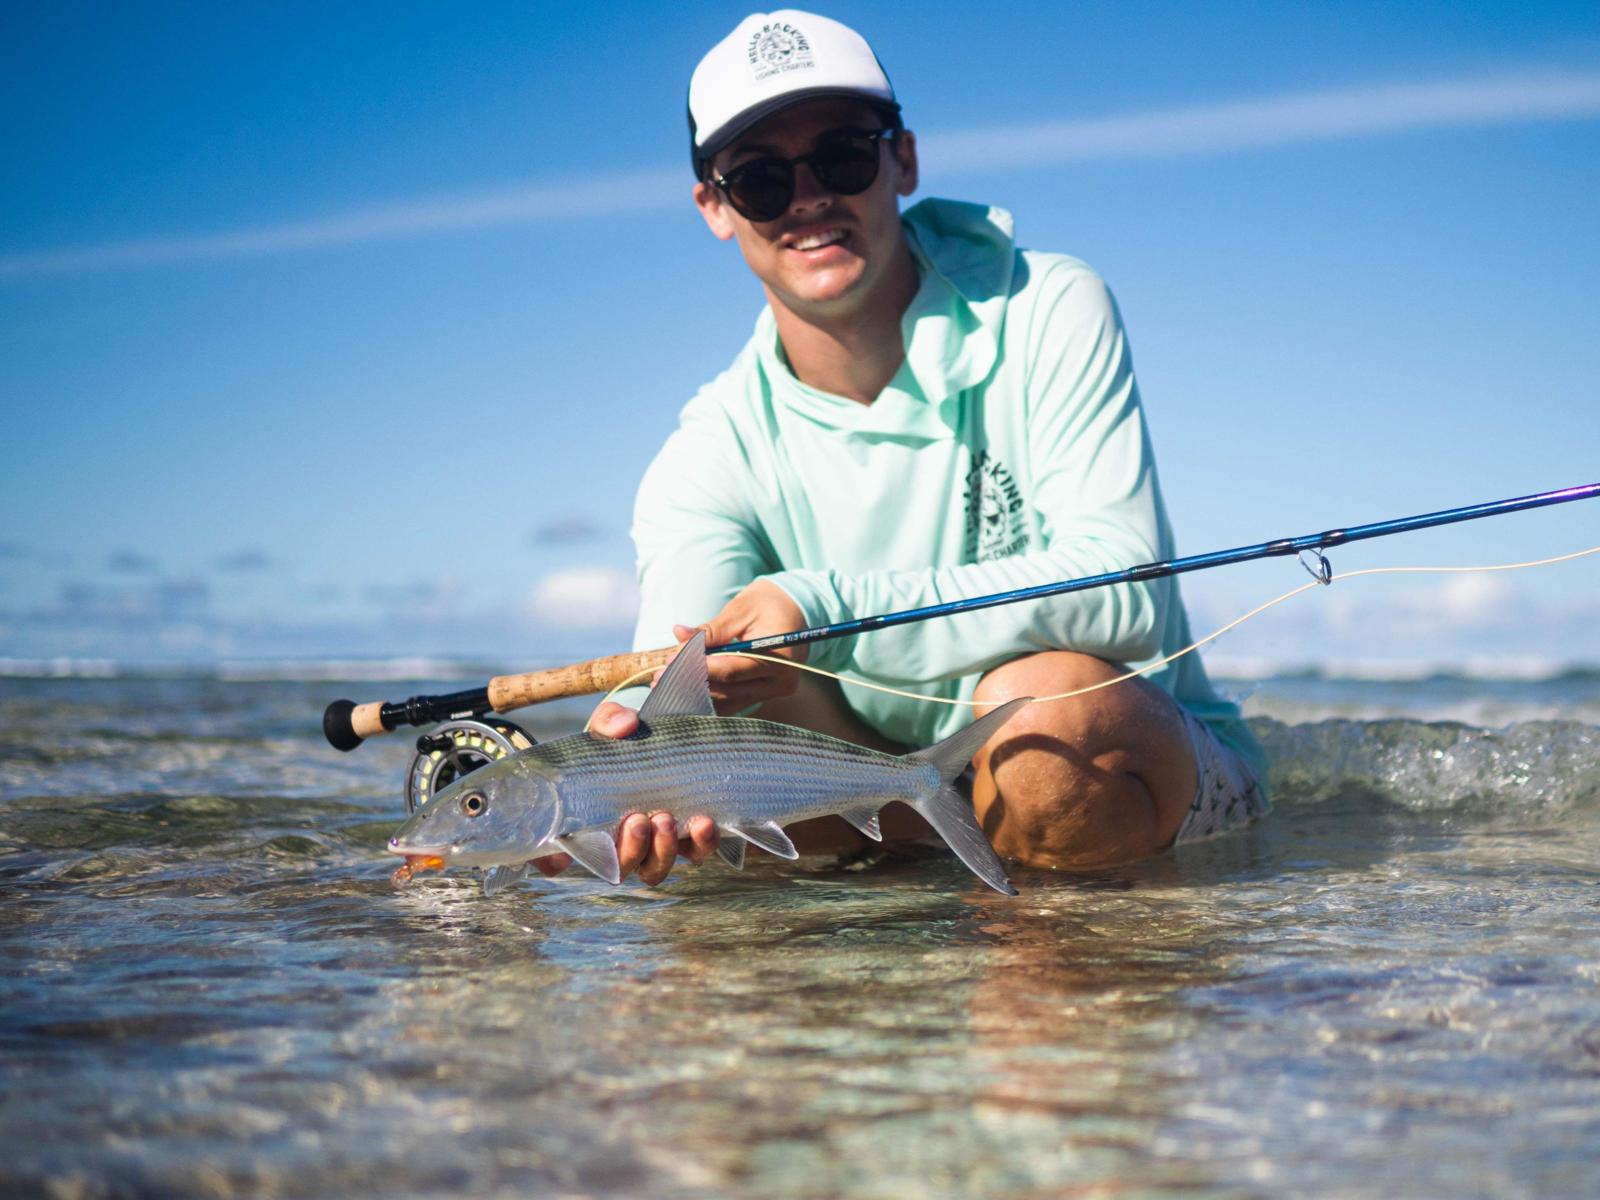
[731,851]
[866,820]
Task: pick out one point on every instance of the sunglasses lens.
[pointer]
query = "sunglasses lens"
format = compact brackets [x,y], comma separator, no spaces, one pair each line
[847,167]
[761,190]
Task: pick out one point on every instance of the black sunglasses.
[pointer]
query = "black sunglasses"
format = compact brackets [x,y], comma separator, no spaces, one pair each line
[845,162]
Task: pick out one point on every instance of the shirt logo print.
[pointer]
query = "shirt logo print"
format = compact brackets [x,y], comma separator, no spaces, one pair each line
[994,510]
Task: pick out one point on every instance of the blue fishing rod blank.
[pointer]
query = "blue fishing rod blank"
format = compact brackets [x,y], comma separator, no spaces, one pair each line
[345,732]
[1317,542]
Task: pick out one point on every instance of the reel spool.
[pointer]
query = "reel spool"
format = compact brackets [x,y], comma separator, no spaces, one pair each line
[458,748]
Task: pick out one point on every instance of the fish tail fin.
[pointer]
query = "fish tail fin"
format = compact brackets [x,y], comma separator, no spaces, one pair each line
[952,755]
[949,812]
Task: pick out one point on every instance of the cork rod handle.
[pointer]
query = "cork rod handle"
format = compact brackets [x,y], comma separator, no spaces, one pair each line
[507,692]
[347,724]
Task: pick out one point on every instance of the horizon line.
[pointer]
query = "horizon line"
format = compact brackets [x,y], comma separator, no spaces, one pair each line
[379,667]
[1187,131]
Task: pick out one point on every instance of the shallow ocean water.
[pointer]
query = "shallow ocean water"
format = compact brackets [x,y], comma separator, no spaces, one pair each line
[1389,987]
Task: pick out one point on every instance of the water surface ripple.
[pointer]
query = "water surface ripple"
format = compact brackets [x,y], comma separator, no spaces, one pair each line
[1391,987]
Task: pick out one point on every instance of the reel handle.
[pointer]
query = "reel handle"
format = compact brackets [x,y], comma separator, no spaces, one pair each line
[346,724]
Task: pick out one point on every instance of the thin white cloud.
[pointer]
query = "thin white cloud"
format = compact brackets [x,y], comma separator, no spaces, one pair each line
[586,598]
[1317,116]
[1442,622]
[534,203]
[1195,130]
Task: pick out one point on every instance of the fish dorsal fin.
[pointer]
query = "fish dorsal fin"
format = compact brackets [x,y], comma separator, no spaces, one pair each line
[769,835]
[683,689]
[595,851]
[731,851]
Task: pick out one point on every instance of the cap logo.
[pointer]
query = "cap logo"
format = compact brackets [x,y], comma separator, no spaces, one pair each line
[777,47]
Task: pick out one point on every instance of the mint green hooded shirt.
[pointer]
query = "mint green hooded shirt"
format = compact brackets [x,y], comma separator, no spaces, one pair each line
[1009,450]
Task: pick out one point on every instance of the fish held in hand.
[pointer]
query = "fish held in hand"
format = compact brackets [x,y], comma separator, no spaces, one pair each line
[751,777]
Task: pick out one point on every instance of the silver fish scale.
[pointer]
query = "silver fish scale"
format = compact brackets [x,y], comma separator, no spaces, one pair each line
[726,768]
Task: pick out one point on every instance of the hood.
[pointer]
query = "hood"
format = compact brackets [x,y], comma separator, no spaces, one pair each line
[965,255]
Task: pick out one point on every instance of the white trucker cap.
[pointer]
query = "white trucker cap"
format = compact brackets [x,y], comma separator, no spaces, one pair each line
[773,60]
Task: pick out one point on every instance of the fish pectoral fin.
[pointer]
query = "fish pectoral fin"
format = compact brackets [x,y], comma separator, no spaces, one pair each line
[595,851]
[866,820]
[498,879]
[731,851]
[769,835]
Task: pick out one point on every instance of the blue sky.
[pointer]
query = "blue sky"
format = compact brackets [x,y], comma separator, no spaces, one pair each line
[348,329]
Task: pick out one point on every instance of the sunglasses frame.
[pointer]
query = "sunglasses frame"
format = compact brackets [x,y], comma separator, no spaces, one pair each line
[726,183]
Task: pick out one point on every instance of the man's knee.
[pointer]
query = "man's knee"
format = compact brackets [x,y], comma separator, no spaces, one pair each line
[1091,779]
[1089,721]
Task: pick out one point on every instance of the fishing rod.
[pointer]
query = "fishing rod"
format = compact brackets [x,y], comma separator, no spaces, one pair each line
[347,724]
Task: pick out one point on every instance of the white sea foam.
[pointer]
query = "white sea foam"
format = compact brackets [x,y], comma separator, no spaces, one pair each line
[1534,767]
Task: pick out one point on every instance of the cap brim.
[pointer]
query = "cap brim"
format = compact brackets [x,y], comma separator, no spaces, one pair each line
[754,115]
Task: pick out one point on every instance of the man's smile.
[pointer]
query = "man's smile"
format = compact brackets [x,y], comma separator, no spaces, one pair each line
[816,239]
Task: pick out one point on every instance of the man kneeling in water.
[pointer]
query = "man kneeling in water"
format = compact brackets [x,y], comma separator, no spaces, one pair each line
[924,413]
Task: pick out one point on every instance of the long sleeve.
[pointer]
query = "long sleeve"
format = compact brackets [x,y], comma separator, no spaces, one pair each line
[696,539]
[1090,484]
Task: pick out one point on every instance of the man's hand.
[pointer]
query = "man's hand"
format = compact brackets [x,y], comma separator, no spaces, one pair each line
[646,844]
[762,609]
[650,844]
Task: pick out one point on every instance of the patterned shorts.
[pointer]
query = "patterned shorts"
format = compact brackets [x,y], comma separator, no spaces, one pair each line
[1228,796]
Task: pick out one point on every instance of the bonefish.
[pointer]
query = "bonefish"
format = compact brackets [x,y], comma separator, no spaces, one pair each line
[751,777]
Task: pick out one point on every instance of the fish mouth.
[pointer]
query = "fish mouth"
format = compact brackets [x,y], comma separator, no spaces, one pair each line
[424,856]
[400,843]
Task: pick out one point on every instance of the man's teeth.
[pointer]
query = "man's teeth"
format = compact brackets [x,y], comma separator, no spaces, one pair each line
[815,241]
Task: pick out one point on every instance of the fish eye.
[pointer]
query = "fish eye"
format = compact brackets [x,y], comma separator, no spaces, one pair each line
[474,804]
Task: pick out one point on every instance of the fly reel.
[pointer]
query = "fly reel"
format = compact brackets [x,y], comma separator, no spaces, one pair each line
[458,748]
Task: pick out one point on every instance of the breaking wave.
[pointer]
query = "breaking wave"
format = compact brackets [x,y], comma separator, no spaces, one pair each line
[1528,768]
